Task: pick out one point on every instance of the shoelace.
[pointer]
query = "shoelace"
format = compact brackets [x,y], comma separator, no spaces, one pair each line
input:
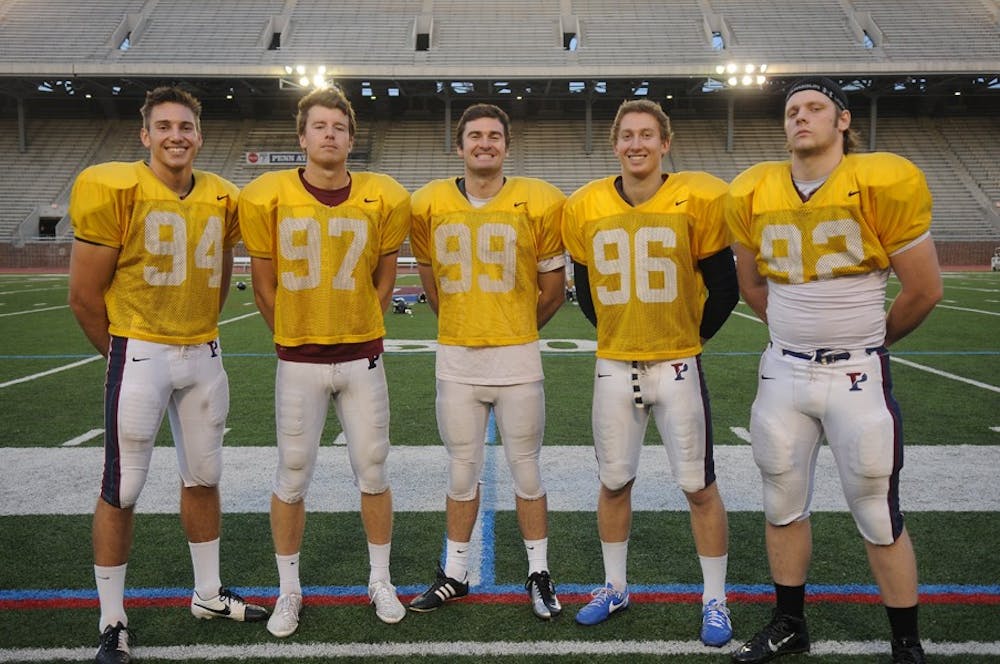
[122,638]
[284,607]
[543,582]
[227,596]
[603,593]
[715,616]
[382,593]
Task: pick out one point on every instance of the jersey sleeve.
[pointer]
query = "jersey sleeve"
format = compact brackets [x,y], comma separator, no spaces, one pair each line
[396,202]
[257,208]
[549,240]
[901,200]
[420,223]
[571,232]
[737,206]
[710,234]
[101,203]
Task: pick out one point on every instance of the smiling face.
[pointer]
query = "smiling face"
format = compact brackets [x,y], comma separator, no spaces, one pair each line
[814,125]
[639,145]
[483,146]
[326,137]
[173,137]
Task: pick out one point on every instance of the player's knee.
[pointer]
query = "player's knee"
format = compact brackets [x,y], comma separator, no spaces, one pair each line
[874,521]
[782,506]
[290,486]
[691,476]
[372,478]
[527,480]
[615,476]
[204,470]
[126,493]
[463,480]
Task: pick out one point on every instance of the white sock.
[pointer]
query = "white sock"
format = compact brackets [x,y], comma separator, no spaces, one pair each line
[615,561]
[288,574]
[205,561]
[456,564]
[713,571]
[111,594]
[378,560]
[538,555]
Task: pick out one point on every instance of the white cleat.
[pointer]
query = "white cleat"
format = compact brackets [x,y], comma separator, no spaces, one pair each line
[388,608]
[285,617]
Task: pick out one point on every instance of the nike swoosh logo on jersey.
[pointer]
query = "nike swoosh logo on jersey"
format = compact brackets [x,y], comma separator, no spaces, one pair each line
[774,646]
[854,193]
[218,612]
[681,201]
[219,198]
[139,359]
[371,200]
[520,203]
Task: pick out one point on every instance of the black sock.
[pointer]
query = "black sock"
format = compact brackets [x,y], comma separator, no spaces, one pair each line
[791,600]
[903,622]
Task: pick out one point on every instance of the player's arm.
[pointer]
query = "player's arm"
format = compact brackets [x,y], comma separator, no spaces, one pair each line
[426,273]
[718,271]
[91,269]
[227,277]
[384,279]
[920,289]
[551,294]
[753,285]
[582,280]
[265,287]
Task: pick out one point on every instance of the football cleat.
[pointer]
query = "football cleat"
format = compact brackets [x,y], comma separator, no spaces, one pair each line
[114,648]
[226,604]
[388,608]
[784,635]
[907,651]
[284,619]
[444,589]
[542,592]
[606,601]
[716,628]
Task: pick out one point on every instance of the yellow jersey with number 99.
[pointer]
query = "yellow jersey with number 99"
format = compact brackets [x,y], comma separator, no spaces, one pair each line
[324,257]
[166,285]
[870,206]
[485,260]
[642,262]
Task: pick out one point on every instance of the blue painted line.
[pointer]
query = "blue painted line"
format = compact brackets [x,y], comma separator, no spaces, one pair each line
[497,589]
[487,511]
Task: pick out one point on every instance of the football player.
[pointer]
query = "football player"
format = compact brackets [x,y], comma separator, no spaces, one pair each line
[149,273]
[816,237]
[490,244]
[646,246]
[323,243]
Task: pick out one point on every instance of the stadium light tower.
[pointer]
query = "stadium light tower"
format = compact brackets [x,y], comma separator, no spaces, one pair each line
[302,76]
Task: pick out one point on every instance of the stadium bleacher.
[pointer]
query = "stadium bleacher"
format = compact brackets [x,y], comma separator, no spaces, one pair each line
[242,46]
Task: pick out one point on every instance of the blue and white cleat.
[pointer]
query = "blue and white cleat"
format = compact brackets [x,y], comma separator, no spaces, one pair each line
[606,601]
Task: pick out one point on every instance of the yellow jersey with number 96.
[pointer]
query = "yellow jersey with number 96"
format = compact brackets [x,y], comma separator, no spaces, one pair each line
[642,262]
[166,284]
[870,206]
[485,260]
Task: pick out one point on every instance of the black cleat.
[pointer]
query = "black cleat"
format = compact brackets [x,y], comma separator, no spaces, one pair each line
[443,589]
[784,635]
[907,651]
[114,645]
[542,592]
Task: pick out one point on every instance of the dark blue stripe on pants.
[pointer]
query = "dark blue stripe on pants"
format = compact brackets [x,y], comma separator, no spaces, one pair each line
[112,478]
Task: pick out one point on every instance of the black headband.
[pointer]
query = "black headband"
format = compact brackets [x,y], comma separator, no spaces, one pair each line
[822,85]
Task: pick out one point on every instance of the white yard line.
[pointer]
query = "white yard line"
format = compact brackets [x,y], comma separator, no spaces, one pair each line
[34,311]
[415,649]
[79,440]
[936,478]
[945,374]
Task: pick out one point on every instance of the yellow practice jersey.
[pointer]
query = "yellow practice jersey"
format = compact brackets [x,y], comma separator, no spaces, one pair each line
[871,206]
[166,284]
[485,260]
[642,262]
[324,257]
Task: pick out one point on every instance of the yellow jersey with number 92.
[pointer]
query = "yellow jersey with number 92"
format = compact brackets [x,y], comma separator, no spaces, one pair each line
[870,206]
[166,284]
[485,260]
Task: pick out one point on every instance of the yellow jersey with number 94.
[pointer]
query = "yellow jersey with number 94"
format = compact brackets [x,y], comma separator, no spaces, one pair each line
[166,284]
[870,206]
[485,260]
[642,262]
[324,257]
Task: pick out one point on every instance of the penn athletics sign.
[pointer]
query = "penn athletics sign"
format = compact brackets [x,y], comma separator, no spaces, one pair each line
[274,158]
